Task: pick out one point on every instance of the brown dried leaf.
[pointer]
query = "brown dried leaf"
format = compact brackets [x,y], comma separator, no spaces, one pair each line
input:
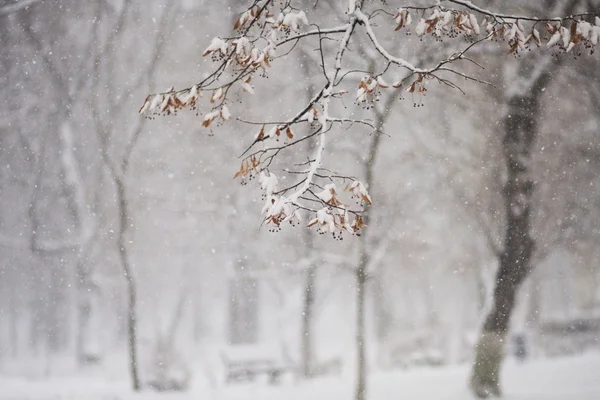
[144,105]
[255,163]
[261,134]
[573,29]
[237,25]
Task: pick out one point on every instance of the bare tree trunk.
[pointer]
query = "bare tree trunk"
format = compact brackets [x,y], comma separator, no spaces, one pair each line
[14,321]
[83,319]
[86,289]
[177,316]
[131,289]
[361,279]
[515,260]
[364,258]
[307,322]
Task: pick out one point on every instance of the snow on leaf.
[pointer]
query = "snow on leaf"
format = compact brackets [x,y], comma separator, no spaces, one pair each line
[402,18]
[359,190]
[242,46]
[247,87]
[584,28]
[554,39]
[381,82]
[217,95]
[274,131]
[269,50]
[217,44]
[474,24]
[276,208]
[279,20]
[209,118]
[420,28]
[371,85]
[327,194]
[361,94]
[225,114]
[279,210]
[536,36]
[302,17]
[566,36]
[254,56]
[146,106]
[295,215]
[398,15]
[512,32]
[187,98]
[164,106]
[357,224]
[156,101]
[325,220]
[271,200]
[244,18]
[312,222]
[260,135]
[293,20]
[268,183]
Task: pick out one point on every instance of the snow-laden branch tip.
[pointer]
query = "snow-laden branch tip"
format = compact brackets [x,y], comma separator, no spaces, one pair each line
[512,17]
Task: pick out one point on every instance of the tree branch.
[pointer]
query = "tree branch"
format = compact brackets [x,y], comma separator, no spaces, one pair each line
[513,18]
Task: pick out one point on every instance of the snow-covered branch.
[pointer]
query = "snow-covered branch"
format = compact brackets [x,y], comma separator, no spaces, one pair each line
[403,63]
[263,31]
[499,17]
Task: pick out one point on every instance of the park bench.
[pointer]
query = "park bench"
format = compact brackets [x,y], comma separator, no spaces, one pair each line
[246,363]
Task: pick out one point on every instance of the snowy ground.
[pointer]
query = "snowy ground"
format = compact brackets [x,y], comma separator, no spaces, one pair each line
[572,378]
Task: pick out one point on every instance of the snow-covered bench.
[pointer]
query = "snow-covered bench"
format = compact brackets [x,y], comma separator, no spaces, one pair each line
[247,362]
